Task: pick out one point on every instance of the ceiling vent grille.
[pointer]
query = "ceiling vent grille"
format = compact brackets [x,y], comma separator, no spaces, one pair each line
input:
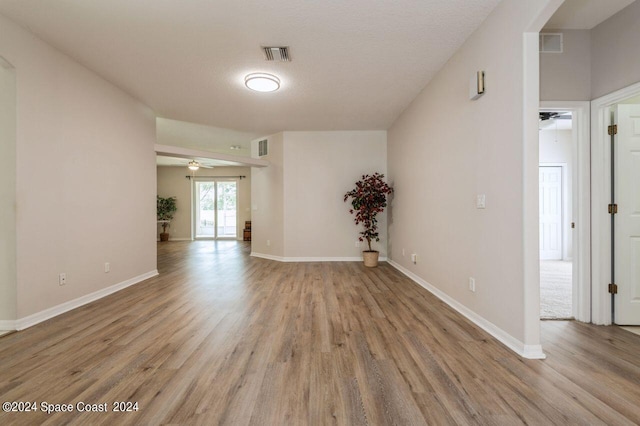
[263,148]
[276,54]
[551,43]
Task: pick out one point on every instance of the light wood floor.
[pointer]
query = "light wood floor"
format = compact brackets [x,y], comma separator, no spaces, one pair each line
[222,338]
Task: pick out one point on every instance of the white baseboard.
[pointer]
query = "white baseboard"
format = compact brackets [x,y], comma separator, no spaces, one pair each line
[311,259]
[176,239]
[526,351]
[49,313]
[7,325]
[267,256]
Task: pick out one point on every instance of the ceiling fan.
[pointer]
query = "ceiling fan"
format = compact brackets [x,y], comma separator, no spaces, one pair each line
[544,116]
[194,165]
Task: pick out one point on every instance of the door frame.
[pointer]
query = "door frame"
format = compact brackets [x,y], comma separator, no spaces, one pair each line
[581,200]
[194,212]
[600,196]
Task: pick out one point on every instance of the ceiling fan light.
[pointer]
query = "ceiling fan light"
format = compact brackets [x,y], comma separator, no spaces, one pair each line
[193,165]
[262,82]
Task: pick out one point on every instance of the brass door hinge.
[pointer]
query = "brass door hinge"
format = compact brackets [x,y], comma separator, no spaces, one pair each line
[613,208]
[612,130]
[613,288]
[573,225]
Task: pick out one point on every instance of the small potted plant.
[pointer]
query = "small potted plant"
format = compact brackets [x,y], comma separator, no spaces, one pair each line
[369,198]
[165,208]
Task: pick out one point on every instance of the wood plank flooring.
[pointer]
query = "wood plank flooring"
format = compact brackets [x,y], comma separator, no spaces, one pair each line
[222,338]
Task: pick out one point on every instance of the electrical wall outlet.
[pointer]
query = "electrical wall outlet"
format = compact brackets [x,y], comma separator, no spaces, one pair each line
[107,267]
[357,243]
[472,284]
[403,252]
[62,279]
[414,258]
[268,242]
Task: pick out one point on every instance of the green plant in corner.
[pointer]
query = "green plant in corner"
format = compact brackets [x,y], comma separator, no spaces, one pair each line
[165,208]
[369,198]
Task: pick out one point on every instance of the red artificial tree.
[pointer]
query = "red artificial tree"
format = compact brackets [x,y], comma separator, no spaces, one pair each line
[369,198]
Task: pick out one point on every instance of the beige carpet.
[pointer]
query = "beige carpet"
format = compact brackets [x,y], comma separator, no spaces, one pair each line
[555,289]
[632,328]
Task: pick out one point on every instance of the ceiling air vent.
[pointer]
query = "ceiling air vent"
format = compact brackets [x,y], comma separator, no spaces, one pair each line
[551,43]
[263,148]
[276,54]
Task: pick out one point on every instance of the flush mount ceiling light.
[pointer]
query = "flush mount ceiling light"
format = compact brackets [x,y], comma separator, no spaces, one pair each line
[262,82]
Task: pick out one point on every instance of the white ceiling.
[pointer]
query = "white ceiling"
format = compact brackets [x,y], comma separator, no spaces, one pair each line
[356,64]
[585,14]
[205,138]
[553,124]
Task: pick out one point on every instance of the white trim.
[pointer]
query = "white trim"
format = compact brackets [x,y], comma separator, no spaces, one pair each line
[600,197]
[311,259]
[581,193]
[530,189]
[526,351]
[7,325]
[267,256]
[49,313]
[617,96]
[175,239]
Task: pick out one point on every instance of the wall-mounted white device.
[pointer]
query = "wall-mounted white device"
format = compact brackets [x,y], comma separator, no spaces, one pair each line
[476,85]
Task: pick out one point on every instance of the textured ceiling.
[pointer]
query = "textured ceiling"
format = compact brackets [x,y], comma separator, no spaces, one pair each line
[356,64]
[585,14]
[205,138]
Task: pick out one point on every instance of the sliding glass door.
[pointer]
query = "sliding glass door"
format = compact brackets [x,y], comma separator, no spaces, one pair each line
[215,208]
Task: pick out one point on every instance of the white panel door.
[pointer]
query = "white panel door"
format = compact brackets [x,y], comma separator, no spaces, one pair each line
[550,213]
[627,221]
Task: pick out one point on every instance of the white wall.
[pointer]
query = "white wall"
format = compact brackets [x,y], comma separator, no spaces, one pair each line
[444,149]
[566,76]
[595,62]
[557,147]
[298,200]
[172,182]
[7,193]
[615,52]
[320,167]
[267,200]
[86,177]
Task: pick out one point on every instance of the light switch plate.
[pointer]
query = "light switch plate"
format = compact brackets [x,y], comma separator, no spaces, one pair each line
[481,201]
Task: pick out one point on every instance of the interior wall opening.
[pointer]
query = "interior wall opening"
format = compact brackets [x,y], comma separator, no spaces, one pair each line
[556,200]
[565,245]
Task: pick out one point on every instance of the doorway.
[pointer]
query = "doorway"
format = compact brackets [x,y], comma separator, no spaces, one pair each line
[570,150]
[215,207]
[556,214]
